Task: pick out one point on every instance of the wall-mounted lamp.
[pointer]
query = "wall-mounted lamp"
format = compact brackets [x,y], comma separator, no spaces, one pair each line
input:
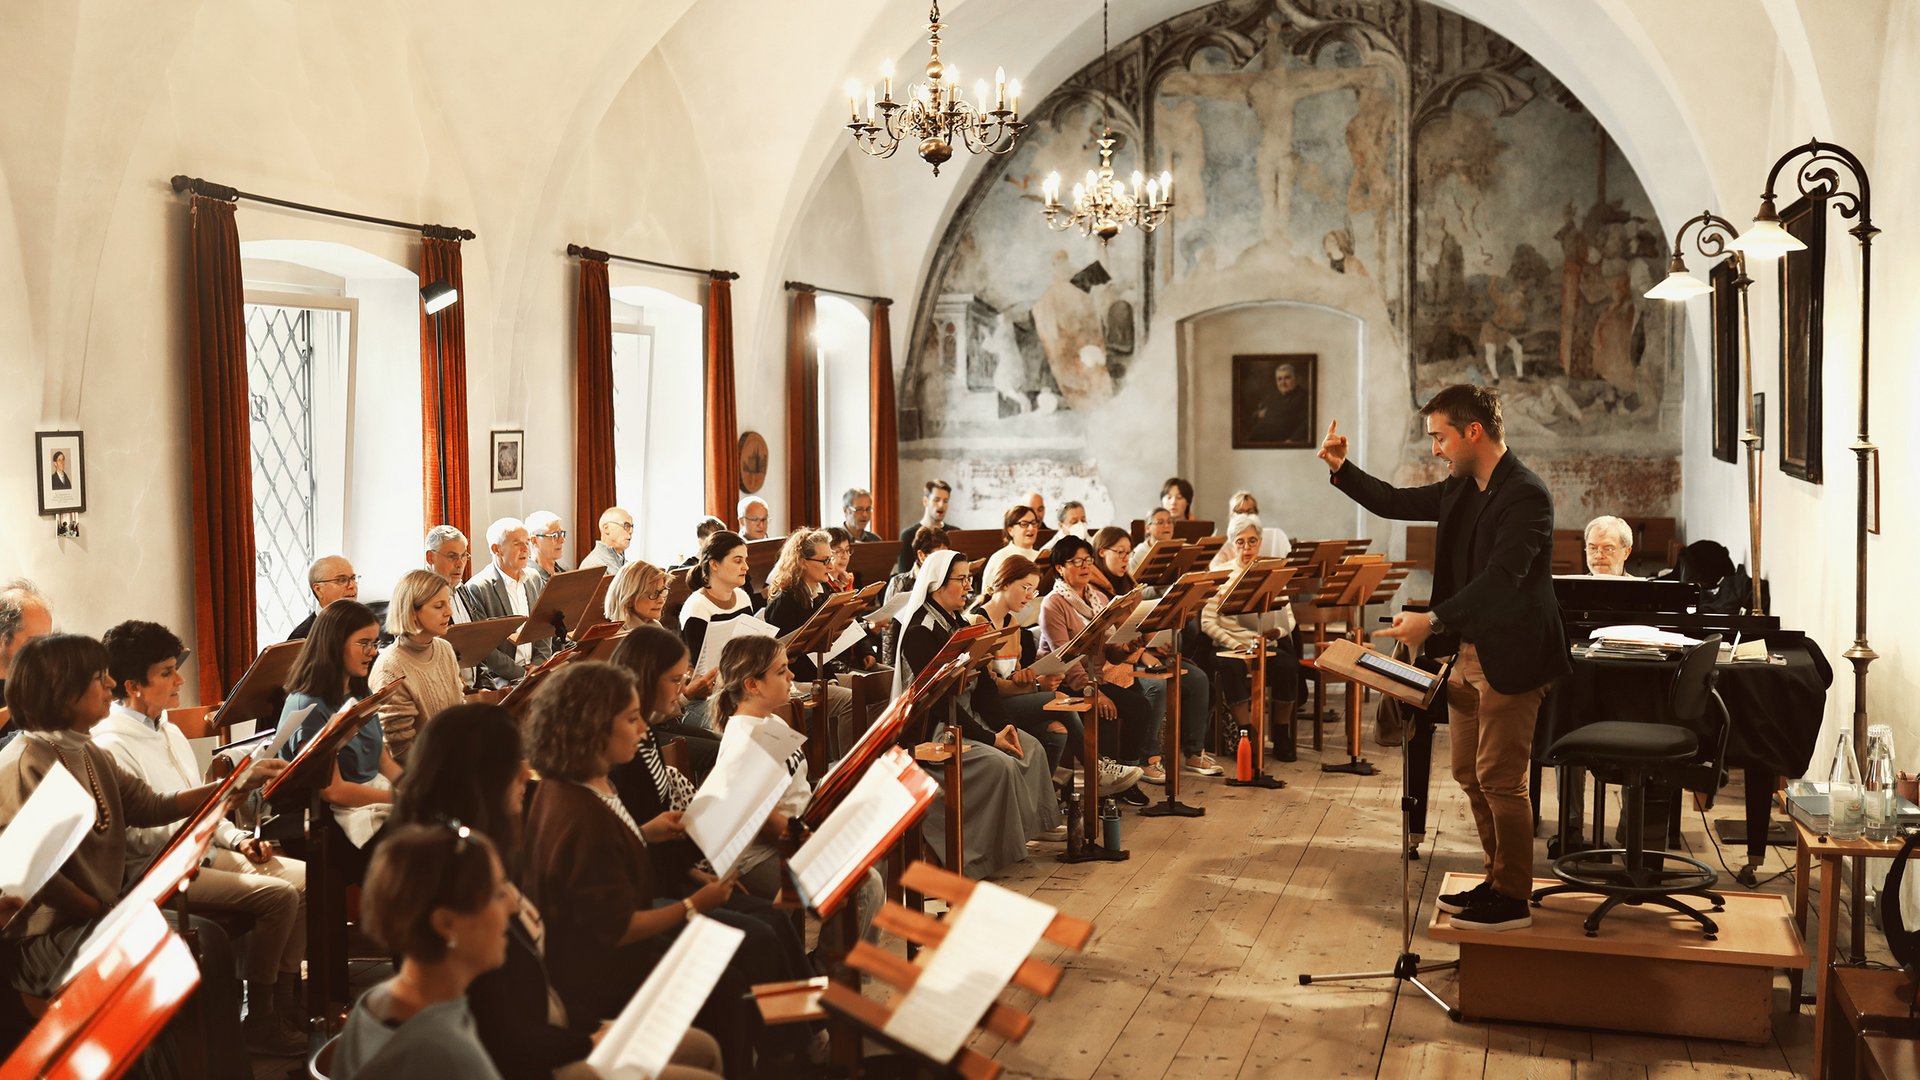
[438,296]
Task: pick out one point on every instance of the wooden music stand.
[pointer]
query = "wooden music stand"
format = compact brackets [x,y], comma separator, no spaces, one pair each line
[869,1017]
[1154,564]
[104,1019]
[1182,602]
[1350,587]
[256,694]
[813,638]
[597,642]
[873,561]
[472,641]
[1317,558]
[565,598]
[594,612]
[1254,590]
[1088,648]
[522,691]
[679,587]
[761,557]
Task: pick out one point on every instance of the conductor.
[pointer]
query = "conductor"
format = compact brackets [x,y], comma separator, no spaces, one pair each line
[1493,603]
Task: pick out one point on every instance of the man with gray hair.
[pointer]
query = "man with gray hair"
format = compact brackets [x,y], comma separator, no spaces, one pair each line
[449,556]
[331,578]
[549,538]
[506,588]
[24,615]
[616,533]
[856,508]
[1609,542]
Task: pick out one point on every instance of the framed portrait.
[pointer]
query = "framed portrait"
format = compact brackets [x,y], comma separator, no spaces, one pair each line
[1723,308]
[1274,396]
[507,455]
[1802,292]
[60,461]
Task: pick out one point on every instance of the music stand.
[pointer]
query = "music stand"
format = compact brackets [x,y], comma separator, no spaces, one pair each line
[1088,649]
[564,598]
[1181,603]
[1351,586]
[595,612]
[1154,563]
[472,641]
[1318,558]
[597,642]
[1254,590]
[873,560]
[813,638]
[522,691]
[1354,661]
[254,695]
[761,557]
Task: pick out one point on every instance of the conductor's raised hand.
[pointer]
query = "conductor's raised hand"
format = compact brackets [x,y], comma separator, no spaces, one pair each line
[1333,450]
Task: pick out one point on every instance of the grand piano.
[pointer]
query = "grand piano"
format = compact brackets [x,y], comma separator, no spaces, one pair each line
[1775,708]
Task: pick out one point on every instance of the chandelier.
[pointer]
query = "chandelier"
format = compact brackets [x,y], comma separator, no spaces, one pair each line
[935,117]
[1100,205]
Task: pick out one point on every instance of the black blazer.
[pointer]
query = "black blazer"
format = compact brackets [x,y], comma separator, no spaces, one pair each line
[509,1007]
[1506,607]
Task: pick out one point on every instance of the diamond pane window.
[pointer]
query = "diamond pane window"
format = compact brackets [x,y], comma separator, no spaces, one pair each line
[280,387]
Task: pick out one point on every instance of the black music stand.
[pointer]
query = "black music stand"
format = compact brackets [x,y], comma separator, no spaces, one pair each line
[1088,649]
[1254,590]
[1184,600]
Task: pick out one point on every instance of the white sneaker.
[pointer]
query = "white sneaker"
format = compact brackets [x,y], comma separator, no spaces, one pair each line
[1116,778]
[1055,835]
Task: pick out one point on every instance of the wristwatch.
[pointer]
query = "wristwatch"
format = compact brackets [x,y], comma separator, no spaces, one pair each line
[1434,625]
[687,903]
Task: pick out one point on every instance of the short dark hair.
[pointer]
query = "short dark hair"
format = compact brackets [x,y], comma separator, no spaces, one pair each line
[320,670]
[1068,547]
[571,715]
[707,527]
[458,766]
[716,546]
[930,539]
[133,647]
[1014,514]
[416,870]
[48,675]
[936,485]
[838,535]
[1182,485]
[648,652]
[1464,404]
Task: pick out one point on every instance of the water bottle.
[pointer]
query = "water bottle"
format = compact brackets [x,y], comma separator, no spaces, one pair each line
[1843,792]
[1243,759]
[1110,824]
[1881,806]
[1076,825]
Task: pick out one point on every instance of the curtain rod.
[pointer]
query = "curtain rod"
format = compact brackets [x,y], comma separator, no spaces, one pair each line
[183,184]
[795,286]
[585,252]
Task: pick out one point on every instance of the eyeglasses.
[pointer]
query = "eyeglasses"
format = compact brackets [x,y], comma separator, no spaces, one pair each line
[557,534]
[366,645]
[1026,523]
[627,525]
[661,593]
[1082,561]
[761,520]
[1122,552]
[459,558]
[967,581]
[342,581]
[1604,549]
[826,560]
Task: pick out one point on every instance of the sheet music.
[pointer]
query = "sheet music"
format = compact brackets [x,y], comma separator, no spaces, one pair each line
[291,725]
[44,834]
[859,824]
[650,1028]
[719,633]
[1050,664]
[855,631]
[746,783]
[1129,628]
[885,612]
[986,943]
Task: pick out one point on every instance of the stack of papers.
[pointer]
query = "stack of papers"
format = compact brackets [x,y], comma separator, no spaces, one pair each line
[1635,642]
[741,792]
[889,798]
[986,942]
[638,1044]
[719,633]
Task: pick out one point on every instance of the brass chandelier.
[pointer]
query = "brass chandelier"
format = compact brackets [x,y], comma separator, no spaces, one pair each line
[935,117]
[1101,206]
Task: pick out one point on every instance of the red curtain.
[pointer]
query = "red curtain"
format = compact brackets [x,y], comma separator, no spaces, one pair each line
[593,489]
[220,451]
[443,392]
[723,421]
[803,413]
[884,444]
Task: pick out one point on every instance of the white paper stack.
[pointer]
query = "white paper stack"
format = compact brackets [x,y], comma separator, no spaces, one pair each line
[719,633]
[862,822]
[985,944]
[650,1028]
[44,834]
[742,790]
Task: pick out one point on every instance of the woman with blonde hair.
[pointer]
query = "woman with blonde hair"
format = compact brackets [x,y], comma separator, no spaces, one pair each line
[418,617]
[637,595]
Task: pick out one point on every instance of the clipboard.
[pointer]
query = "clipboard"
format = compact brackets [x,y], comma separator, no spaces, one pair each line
[473,641]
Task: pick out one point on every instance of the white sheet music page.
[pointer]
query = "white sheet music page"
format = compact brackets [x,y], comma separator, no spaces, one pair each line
[746,783]
[985,944]
[857,826]
[1129,627]
[45,833]
[648,1030]
[719,633]
[853,633]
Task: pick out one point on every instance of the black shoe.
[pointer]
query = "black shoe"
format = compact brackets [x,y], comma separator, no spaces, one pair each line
[1133,796]
[1494,912]
[1455,903]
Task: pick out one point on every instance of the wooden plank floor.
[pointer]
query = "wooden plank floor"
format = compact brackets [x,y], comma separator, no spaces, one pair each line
[1202,935]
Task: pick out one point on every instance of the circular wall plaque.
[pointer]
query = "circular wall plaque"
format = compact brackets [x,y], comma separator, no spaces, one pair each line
[753,462]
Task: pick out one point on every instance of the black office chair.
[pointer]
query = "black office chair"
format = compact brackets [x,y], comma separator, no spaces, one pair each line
[1632,755]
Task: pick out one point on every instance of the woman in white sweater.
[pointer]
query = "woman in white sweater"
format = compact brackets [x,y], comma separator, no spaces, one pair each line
[418,617]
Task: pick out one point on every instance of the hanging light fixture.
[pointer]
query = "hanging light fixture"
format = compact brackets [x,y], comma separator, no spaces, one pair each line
[1766,238]
[1101,206]
[935,117]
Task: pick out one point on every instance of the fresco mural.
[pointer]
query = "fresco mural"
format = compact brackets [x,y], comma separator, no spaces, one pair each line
[1384,158]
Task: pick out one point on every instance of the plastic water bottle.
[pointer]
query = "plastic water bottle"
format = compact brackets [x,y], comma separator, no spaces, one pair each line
[1881,806]
[1243,759]
[1844,810]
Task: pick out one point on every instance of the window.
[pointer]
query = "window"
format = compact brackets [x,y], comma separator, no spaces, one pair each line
[840,336]
[659,463]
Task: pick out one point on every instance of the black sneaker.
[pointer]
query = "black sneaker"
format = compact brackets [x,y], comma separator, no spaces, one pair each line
[1495,912]
[1133,796]
[1455,903]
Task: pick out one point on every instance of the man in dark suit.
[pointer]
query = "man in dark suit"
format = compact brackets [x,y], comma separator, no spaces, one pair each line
[938,493]
[1493,602]
[504,588]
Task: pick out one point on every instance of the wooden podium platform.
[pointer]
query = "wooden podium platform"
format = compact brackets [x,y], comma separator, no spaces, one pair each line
[1648,971]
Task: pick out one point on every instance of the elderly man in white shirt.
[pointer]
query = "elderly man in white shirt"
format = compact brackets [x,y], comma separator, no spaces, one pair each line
[242,874]
[549,536]
[506,588]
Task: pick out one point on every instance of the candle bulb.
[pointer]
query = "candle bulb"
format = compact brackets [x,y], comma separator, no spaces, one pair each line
[886,76]
[1166,185]
[999,88]
[853,98]
[1052,189]
[869,105]
[1153,192]
[1014,89]
[980,94]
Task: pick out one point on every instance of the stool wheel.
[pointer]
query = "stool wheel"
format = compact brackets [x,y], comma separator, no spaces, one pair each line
[1713,937]
[1593,933]
[1535,903]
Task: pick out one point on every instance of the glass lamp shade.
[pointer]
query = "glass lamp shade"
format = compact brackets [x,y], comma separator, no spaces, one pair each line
[1678,285]
[1766,239]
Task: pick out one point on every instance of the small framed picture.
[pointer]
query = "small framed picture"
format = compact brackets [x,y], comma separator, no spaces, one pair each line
[1273,401]
[61,464]
[507,461]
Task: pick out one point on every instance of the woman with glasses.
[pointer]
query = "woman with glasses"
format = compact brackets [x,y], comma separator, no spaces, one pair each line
[797,588]
[1117,703]
[1159,525]
[1009,786]
[840,545]
[1242,634]
[418,617]
[469,768]
[1115,550]
[331,671]
[1020,533]
[636,598]
[1019,695]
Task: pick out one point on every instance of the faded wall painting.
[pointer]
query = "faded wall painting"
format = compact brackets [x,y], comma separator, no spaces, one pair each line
[1384,159]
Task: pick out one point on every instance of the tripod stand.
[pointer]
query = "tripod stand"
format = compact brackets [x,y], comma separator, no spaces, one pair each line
[1407,967]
